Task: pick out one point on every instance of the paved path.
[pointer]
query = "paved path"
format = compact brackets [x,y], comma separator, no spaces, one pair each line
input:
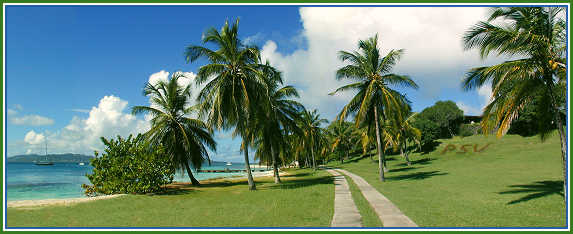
[345,212]
[388,213]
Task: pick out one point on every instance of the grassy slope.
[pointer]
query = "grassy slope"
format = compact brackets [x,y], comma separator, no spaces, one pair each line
[516,181]
[304,199]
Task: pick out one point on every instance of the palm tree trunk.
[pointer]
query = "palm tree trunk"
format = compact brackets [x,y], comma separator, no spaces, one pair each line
[190,174]
[405,155]
[252,185]
[378,143]
[275,167]
[562,135]
[312,153]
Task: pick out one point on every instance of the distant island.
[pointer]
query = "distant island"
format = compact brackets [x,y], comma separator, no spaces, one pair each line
[56,158]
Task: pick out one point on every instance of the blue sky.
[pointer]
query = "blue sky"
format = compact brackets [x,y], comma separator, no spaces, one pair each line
[74,72]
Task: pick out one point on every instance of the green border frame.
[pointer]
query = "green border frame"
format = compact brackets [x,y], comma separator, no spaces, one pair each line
[263,2]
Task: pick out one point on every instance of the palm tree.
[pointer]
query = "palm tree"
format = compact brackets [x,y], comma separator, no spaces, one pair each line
[374,99]
[537,36]
[402,131]
[185,139]
[233,85]
[275,117]
[313,133]
[342,136]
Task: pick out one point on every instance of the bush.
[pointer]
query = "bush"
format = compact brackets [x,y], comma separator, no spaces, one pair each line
[127,166]
[469,129]
[430,132]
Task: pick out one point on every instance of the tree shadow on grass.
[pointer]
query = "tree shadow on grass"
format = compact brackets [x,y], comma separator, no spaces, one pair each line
[422,161]
[300,183]
[418,175]
[403,169]
[535,190]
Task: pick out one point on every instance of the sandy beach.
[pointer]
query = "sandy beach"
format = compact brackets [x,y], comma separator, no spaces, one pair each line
[71,201]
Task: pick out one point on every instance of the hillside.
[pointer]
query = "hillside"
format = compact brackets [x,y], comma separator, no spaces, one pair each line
[509,182]
[57,158]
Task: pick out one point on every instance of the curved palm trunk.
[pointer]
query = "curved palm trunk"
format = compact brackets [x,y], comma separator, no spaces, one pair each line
[252,185]
[378,143]
[190,174]
[275,167]
[562,135]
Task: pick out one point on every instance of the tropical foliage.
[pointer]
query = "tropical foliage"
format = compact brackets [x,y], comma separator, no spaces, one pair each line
[374,101]
[275,117]
[127,166]
[233,84]
[536,37]
[185,139]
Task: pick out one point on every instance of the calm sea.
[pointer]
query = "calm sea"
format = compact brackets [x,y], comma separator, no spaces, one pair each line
[27,181]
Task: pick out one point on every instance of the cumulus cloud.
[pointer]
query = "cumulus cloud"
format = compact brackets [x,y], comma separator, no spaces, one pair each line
[34,138]
[108,119]
[27,120]
[434,55]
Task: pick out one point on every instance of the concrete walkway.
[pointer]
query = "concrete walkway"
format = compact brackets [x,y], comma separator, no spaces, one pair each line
[345,212]
[388,213]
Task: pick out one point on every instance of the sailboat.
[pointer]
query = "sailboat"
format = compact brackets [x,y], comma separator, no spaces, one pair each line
[46,162]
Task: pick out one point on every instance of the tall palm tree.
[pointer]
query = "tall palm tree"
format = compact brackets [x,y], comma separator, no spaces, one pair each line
[537,36]
[185,139]
[313,133]
[374,99]
[233,84]
[275,117]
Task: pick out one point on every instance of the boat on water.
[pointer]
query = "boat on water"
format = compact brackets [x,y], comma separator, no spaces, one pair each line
[45,162]
[229,164]
[81,164]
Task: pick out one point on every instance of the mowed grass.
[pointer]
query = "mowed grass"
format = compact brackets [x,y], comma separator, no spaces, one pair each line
[369,216]
[305,199]
[514,182]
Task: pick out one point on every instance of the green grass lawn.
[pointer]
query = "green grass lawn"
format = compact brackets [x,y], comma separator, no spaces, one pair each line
[305,199]
[369,216]
[515,181]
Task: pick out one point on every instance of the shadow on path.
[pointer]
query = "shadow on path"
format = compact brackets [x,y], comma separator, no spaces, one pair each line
[535,190]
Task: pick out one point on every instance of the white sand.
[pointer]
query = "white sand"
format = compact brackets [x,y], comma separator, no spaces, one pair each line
[65,202]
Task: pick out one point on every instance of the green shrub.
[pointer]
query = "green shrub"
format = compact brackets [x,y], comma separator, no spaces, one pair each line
[127,166]
[469,129]
[430,132]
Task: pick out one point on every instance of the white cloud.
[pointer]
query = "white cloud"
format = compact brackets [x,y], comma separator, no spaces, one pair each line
[252,39]
[187,79]
[11,112]
[34,138]
[29,120]
[80,110]
[432,38]
[109,118]
[485,95]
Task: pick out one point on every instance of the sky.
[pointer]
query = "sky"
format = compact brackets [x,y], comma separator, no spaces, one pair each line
[74,72]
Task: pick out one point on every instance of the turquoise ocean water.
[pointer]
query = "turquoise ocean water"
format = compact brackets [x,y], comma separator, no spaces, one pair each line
[27,181]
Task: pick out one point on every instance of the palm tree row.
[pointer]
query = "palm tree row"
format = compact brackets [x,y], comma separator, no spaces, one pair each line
[242,94]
